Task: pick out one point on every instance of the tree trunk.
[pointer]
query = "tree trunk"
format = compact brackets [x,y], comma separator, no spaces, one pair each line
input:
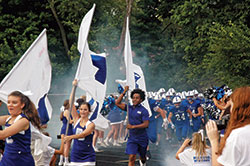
[122,37]
[63,34]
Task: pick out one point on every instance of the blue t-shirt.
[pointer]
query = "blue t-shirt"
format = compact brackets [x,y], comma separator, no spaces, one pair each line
[137,115]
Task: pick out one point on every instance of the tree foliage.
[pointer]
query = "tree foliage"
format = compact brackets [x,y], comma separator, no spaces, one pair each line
[183,44]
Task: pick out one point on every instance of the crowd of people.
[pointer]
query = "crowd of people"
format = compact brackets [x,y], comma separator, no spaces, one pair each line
[180,118]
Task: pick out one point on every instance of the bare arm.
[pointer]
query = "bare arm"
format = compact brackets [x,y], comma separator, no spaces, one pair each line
[213,135]
[182,148]
[119,100]
[199,112]
[162,112]
[61,116]
[66,113]
[74,113]
[20,125]
[3,119]
[169,117]
[220,106]
[139,126]
[60,151]
[190,113]
[90,128]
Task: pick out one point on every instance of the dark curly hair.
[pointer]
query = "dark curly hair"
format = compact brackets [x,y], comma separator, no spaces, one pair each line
[140,92]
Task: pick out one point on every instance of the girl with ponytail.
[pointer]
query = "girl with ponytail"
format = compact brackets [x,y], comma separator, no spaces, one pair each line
[198,154]
[17,130]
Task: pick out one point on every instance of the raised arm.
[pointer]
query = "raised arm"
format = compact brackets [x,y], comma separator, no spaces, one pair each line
[74,113]
[119,100]
[182,148]
[213,136]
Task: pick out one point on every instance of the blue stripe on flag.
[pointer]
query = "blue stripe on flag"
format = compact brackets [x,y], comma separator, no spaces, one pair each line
[137,77]
[100,63]
[42,110]
[91,101]
[94,115]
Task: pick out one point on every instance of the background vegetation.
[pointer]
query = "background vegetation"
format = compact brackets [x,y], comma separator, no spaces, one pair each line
[185,44]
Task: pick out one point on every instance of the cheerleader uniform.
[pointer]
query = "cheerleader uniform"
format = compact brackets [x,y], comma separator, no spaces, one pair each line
[17,148]
[63,129]
[82,153]
[114,115]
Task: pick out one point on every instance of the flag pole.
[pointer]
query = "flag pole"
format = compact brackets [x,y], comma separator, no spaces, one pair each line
[72,97]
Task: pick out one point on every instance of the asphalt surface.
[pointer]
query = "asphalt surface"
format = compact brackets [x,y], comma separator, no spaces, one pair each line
[161,155]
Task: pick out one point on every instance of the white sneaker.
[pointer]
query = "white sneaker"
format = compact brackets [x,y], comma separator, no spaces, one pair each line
[157,143]
[96,149]
[65,164]
[141,164]
[60,163]
[103,144]
[110,139]
[116,144]
[106,142]
[98,141]
[61,160]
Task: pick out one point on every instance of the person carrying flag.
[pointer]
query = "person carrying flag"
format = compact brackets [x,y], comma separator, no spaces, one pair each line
[138,121]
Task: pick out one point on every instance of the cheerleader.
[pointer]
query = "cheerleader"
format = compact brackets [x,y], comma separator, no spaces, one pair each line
[82,151]
[65,116]
[114,117]
[17,130]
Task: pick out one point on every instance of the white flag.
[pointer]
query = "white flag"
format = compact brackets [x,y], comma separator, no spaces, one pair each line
[32,73]
[91,72]
[134,74]
[91,77]
[140,83]
[128,59]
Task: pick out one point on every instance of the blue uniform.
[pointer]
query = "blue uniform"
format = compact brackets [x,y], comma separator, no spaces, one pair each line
[63,129]
[138,138]
[17,148]
[196,120]
[152,127]
[181,121]
[82,150]
[114,116]
[167,106]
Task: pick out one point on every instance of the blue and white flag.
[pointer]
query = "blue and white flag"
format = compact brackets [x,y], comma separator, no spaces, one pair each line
[101,123]
[140,83]
[31,75]
[92,71]
[134,73]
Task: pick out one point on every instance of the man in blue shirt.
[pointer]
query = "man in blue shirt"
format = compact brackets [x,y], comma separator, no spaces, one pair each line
[138,121]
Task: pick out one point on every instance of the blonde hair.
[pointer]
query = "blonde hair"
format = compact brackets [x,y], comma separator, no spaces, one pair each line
[199,145]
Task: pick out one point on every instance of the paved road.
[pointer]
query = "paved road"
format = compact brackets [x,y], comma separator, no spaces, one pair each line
[162,155]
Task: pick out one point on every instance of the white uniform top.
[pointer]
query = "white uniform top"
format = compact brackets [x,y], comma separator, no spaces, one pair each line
[188,157]
[237,149]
